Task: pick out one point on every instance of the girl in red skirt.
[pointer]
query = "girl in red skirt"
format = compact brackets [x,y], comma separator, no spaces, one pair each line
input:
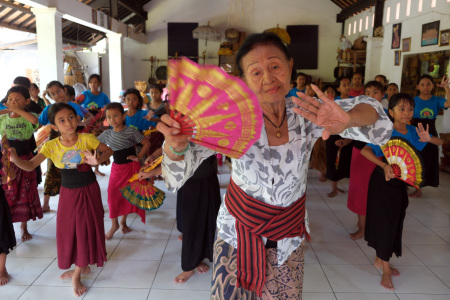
[122,140]
[80,233]
[19,126]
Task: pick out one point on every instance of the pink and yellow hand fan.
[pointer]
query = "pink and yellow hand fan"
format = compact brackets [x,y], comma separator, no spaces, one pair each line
[143,193]
[217,109]
[405,160]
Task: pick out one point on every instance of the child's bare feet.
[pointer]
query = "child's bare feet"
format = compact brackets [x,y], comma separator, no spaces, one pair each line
[112,230]
[69,274]
[357,235]
[334,192]
[3,277]
[202,268]
[45,205]
[78,288]
[416,194]
[183,277]
[26,236]
[180,237]
[322,177]
[125,228]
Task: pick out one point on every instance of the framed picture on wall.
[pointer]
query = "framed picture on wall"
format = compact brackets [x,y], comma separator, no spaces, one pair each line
[397,57]
[430,34]
[444,37]
[396,36]
[406,45]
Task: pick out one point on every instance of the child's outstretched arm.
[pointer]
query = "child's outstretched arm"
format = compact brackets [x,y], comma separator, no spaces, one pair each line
[388,171]
[12,106]
[425,135]
[26,165]
[145,146]
[106,152]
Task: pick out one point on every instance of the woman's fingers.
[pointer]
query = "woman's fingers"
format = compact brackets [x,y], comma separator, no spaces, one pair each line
[171,131]
[320,94]
[306,102]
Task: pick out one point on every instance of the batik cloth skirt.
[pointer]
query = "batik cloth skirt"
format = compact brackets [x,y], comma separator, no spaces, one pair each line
[282,282]
[386,209]
[430,155]
[22,194]
[338,161]
[80,232]
[360,171]
[198,203]
[118,205]
[319,156]
[52,181]
[7,235]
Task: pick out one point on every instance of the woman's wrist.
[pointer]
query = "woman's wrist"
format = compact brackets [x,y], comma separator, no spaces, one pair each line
[179,152]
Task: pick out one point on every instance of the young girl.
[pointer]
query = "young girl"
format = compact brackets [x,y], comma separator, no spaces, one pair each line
[19,126]
[122,140]
[52,183]
[70,98]
[357,85]
[339,150]
[80,234]
[135,116]
[93,99]
[300,79]
[7,235]
[391,89]
[425,112]
[159,108]
[387,196]
[360,171]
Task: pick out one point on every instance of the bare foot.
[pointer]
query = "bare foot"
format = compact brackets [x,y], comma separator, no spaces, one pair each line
[125,229]
[69,274]
[26,236]
[332,194]
[416,194]
[323,178]
[97,172]
[386,281]
[112,230]
[78,288]
[180,237]
[357,235]
[202,268]
[183,277]
[45,208]
[3,277]
[341,191]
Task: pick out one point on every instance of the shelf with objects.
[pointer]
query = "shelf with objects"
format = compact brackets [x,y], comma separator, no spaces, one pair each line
[351,58]
[228,49]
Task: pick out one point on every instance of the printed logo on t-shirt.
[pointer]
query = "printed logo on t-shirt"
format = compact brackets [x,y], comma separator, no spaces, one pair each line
[71,159]
[426,113]
[92,105]
[132,126]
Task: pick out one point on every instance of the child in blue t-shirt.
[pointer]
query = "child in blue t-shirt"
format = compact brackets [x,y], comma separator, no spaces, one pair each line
[301,85]
[93,99]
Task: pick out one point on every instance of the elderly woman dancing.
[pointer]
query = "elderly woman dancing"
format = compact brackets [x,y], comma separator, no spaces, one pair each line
[262,224]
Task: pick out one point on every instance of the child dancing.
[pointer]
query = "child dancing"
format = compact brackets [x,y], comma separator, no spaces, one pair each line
[387,198]
[80,233]
[122,140]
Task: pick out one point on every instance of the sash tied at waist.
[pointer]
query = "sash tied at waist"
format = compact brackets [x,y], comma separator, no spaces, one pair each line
[253,220]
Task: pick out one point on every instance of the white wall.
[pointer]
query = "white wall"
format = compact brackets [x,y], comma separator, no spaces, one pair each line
[15,63]
[411,27]
[267,14]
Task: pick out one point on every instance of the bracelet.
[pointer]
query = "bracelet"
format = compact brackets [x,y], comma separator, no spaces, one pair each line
[181,152]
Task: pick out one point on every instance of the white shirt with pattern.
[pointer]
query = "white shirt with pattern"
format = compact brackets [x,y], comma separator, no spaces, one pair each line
[275,175]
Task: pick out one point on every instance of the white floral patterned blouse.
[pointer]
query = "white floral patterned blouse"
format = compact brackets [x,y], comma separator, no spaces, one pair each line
[276,175]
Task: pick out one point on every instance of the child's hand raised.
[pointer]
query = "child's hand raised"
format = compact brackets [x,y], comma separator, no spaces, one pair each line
[149,115]
[12,105]
[445,83]
[90,158]
[423,134]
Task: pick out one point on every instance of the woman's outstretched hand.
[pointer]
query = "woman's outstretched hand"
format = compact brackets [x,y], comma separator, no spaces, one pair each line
[328,114]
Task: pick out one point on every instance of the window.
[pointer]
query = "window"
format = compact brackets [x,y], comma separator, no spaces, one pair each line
[373,20]
[388,14]
[367,22]
[397,11]
[354,27]
[349,29]
[408,8]
[419,9]
[433,3]
[360,25]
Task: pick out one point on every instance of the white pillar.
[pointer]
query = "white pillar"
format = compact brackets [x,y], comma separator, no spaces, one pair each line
[115,44]
[50,52]
[373,57]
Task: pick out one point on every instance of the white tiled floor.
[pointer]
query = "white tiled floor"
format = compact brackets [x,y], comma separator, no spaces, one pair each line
[143,263]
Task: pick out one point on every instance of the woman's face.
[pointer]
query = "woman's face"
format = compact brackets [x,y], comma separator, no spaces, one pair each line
[267,73]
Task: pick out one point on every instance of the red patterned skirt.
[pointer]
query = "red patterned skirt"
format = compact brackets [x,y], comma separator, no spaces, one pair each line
[22,194]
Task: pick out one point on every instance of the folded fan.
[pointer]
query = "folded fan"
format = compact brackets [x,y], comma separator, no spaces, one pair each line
[142,193]
[42,136]
[405,160]
[5,160]
[218,109]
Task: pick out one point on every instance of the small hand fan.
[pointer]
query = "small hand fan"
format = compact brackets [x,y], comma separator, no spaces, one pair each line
[142,193]
[5,159]
[95,123]
[218,109]
[43,135]
[405,160]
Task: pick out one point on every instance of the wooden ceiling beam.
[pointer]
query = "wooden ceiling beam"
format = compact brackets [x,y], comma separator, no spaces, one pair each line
[138,11]
[24,29]
[354,9]
[26,20]
[7,15]
[18,7]
[22,14]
